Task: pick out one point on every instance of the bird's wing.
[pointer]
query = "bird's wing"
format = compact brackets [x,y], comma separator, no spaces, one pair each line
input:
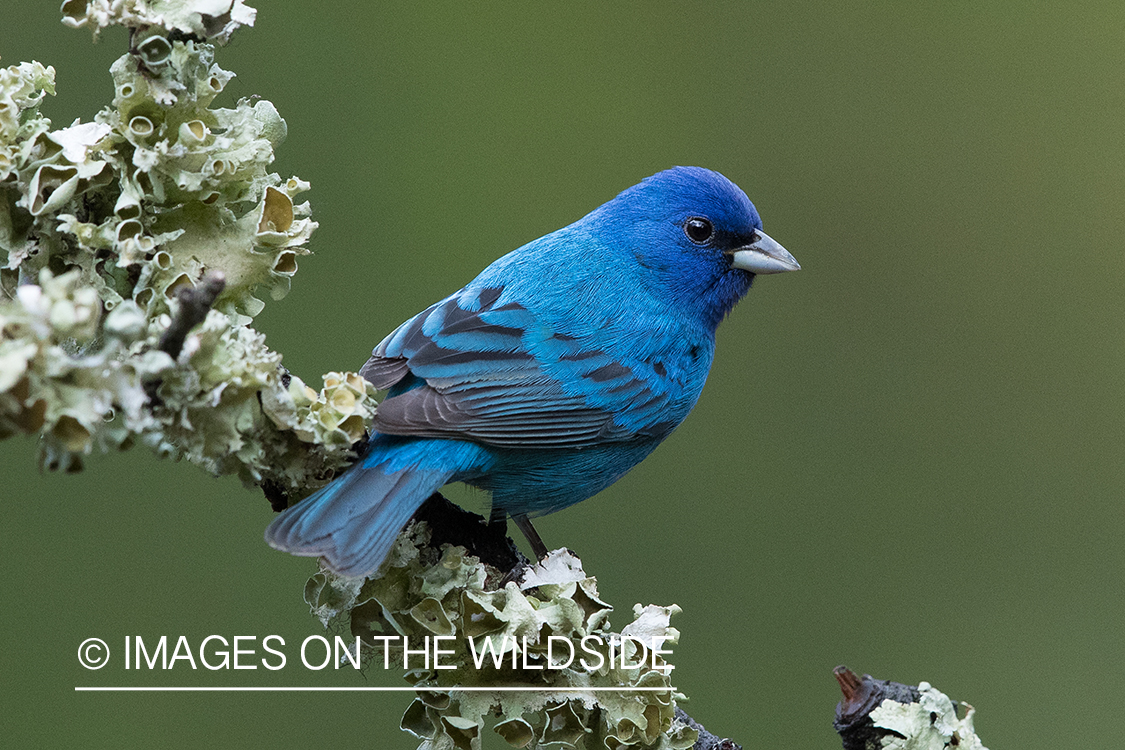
[477,368]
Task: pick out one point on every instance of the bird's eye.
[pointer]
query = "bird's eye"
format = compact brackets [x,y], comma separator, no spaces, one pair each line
[698,230]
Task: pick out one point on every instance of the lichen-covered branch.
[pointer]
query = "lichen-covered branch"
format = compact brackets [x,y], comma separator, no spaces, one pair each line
[114,327]
[488,620]
[884,715]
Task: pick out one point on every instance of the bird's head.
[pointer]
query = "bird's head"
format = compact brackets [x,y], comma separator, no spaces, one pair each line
[696,238]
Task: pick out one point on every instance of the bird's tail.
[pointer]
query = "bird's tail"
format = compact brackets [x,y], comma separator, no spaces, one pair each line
[353,522]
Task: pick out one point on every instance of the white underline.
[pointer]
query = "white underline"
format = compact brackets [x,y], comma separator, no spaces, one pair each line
[298,689]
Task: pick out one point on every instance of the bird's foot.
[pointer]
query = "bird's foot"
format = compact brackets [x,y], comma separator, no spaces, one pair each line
[523,523]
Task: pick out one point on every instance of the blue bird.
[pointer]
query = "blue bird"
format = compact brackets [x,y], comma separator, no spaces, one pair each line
[552,373]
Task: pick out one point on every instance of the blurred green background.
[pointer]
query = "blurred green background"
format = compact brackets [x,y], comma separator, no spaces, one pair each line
[908,457]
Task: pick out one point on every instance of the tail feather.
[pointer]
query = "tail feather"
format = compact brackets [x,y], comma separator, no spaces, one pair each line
[353,522]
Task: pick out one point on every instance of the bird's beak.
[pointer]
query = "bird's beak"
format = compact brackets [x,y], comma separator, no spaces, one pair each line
[764,255]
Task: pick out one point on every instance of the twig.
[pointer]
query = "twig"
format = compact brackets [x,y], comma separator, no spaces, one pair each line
[861,697]
[195,303]
[706,741]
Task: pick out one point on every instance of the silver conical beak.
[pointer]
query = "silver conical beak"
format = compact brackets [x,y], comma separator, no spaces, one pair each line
[764,255]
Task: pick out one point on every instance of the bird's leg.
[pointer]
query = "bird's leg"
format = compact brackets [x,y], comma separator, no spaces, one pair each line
[523,523]
[497,517]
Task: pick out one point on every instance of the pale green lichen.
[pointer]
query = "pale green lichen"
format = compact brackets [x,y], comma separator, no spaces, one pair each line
[102,222]
[930,724]
[529,630]
[86,381]
[228,406]
[207,19]
[60,379]
[157,190]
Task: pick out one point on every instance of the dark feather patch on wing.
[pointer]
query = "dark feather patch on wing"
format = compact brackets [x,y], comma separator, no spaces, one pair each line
[501,413]
[463,370]
[383,373]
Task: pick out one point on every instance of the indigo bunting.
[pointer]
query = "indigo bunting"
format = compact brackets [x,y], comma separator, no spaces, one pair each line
[552,373]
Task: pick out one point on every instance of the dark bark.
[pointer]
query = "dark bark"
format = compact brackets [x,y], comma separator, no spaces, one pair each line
[706,741]
[195,303]
[861,697]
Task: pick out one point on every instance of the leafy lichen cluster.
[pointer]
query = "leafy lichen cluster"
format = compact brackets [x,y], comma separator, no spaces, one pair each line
[549,632]
[208,19]
[104,223]
[931,723]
